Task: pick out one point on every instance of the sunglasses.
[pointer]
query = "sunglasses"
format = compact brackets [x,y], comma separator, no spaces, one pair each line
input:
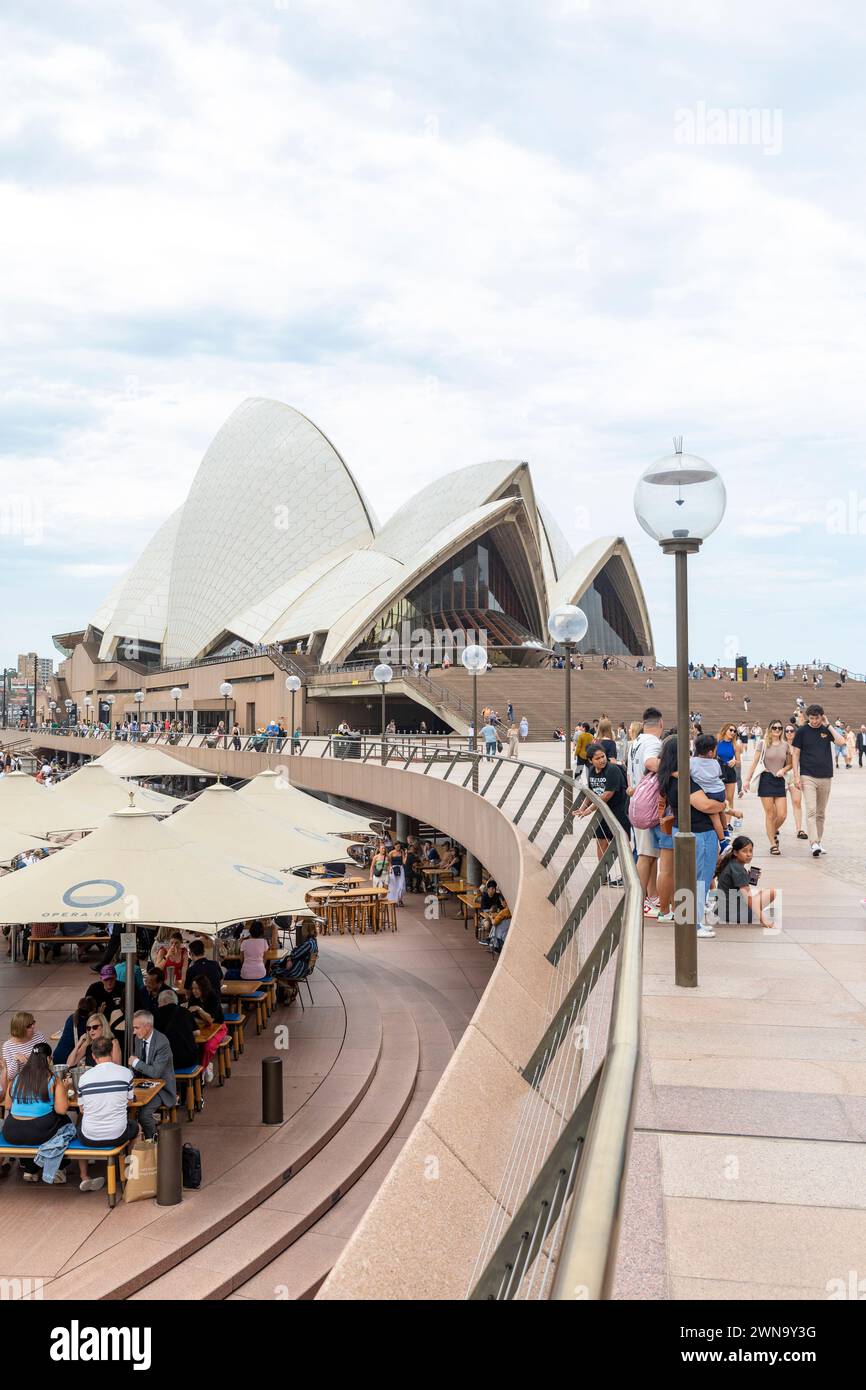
[93,1029]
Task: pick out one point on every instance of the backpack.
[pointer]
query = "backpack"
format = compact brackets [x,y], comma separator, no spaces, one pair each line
[643,808]
[190,1160]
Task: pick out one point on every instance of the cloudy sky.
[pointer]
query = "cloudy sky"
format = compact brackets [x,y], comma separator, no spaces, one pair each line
[549,231]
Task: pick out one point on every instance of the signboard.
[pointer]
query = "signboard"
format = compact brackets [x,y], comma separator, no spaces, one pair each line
[128,943]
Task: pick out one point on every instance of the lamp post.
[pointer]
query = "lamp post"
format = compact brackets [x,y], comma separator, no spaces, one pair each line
[293,685]
[474,659]
[109,700]
[382,674]
[35,683]
[68,707]
[176,693]
[226,692]
[567,626]
[52,705]
[679,501]
[88,704]
[139,696]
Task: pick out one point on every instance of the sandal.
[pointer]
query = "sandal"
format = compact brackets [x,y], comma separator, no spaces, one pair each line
[774,849]
[801,835]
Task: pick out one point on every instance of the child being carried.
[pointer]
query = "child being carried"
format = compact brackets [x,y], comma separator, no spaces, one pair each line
[706,770]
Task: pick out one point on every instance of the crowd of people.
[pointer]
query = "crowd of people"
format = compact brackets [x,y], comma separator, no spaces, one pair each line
[177,994]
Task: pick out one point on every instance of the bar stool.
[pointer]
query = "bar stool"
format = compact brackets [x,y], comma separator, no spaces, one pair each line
[235,1024]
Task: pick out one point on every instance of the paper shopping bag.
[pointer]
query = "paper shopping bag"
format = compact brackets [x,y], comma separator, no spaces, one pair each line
[140,1171]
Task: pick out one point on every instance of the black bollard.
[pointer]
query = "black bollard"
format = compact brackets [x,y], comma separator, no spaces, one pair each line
[169,1172]
[272,1090]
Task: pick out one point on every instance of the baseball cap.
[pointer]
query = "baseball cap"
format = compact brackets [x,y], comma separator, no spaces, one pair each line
[107,972]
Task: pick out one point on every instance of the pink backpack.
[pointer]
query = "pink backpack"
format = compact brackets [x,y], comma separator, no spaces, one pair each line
[643,808]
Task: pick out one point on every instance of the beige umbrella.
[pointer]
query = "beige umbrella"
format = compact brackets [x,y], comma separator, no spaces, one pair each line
[272,792]
[24,807]
[220,819]
[135,871]
[15,842]
[93,786]
[133,760]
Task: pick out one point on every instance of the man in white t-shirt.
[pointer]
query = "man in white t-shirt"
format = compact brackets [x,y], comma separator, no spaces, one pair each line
[643,758]
[103,1094]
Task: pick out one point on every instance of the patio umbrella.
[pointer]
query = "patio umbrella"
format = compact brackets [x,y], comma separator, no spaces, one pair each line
[221,819]
[274,794]
[133,760]
[93,787]
[15,842]
[135,871]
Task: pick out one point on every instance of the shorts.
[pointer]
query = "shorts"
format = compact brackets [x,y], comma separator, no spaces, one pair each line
[768,785]
[729,775]
[650,842]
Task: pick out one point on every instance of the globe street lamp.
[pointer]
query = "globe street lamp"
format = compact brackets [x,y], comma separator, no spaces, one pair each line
[88,704]
[293,685]
[226,692]
[382,674]
[474,659]
[567,626]
[176,693]
[68,707]
[52,705]
[109,701]
[139,696]
[679,501]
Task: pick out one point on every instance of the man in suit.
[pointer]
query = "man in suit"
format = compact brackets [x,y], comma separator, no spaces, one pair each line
[860,744]
[151,1056]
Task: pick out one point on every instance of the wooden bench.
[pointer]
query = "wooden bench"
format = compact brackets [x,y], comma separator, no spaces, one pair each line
[109,1156]
[190,1079]
[34,943]
[247,992]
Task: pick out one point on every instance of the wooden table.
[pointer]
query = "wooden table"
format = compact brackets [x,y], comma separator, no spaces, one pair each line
[471,903]
[364,899]
[143,1093]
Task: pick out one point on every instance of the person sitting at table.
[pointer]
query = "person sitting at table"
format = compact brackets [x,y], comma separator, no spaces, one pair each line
[97,1027]
[151,1057]
[176,1024]
[154,984]
[413,869]
[36,1109]
[299,963]
[104,1093]
[160,941]
[108,996]
[73,1029]
[201,966]
[490,902]
[431,854]
[205,1009]
[448,858]
[253,950]
[23,1037]
[174,960]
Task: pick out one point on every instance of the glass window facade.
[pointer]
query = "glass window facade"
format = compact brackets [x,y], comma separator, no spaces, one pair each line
[614,629]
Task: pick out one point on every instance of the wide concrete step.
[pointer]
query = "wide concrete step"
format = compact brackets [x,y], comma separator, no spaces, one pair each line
[298,1272]
[333,1057]
[244,1256]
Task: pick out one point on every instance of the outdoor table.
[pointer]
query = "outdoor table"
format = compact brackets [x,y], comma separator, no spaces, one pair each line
[143,1092]
[365,899]
[471,903]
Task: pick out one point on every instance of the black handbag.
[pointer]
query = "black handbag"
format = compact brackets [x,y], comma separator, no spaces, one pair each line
[190,1160]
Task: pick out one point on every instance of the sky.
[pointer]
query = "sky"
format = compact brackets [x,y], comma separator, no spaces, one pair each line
[561,232]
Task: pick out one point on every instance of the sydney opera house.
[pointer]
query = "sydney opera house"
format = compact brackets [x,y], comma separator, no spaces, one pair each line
[276,562]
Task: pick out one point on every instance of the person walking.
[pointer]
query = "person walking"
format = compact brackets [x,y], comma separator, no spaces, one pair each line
[524,728]
[794,792]
[643,761]
[773,755]
[812,755]
[491,739]
[860,744]
[513,739]
[729,751]
[510,712]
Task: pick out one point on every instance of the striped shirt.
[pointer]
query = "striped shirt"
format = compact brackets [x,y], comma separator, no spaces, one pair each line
[104,1092]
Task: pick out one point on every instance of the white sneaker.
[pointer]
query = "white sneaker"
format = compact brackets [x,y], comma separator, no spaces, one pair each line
[816,850]
[664,918]
[91,1184]
[705,932]
[821,849]
[649,911]
[208,1076]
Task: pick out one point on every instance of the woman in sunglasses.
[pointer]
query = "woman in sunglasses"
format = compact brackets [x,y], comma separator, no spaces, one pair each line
[97,1027]
[794,791]
[729,751]
[774,757]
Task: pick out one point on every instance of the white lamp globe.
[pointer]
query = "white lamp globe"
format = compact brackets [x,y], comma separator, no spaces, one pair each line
[382,674]
[109,700]
[474,659]
[176,693]
[87,702]
[226,690]
[292,684]
[68,704]
[567,623]
[52,704]
[680,497]
[139,695]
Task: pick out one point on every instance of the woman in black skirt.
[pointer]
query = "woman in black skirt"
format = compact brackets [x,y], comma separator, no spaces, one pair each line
[774,757]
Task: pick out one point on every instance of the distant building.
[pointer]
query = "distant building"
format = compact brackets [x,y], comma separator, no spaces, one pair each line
[44,668]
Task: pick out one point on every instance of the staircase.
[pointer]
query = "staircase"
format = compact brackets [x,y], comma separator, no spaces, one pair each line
[621,693]
[279,1202]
